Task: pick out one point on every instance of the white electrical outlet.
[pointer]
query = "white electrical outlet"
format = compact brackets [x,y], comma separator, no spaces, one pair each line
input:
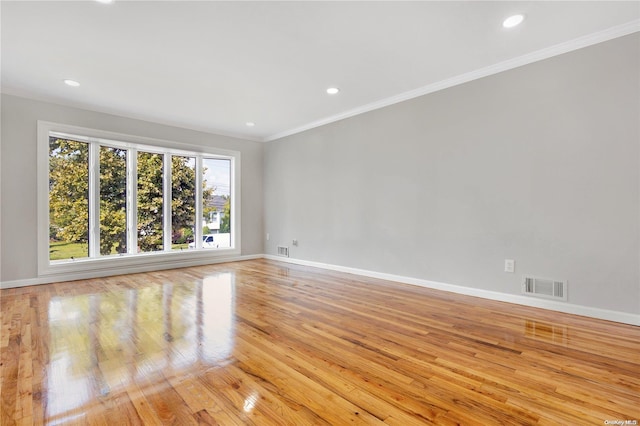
[268,236]
[294,242]
[509,265]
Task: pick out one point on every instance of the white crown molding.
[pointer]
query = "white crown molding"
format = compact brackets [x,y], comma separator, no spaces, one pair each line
[11,91]
[538,55]
[548,52]
[587,311]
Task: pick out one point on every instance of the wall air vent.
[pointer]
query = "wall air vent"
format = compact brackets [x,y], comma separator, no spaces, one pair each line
[544,287]
[283,251]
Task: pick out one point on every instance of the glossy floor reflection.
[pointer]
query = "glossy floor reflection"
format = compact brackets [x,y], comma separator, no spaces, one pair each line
[260,342]
[100,343]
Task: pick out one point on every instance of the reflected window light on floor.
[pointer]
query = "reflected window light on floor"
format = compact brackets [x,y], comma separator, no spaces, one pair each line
[95,350]
[250,402]
[218,310]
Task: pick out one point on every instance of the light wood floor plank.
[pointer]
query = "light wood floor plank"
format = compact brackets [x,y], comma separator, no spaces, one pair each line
[266,343]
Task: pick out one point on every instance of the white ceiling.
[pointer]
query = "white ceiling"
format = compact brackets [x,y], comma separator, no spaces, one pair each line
[213,66]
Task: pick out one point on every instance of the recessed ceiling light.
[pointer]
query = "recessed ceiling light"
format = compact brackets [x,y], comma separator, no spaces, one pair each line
[250,123]
[105,1]
[71,83]
[513,21]
[332,90]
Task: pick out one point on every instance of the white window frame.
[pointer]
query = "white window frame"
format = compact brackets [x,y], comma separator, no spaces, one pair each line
[131,260]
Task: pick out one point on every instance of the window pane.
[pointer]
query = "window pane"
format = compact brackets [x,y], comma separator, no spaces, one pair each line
[149,202]
[113,201]
[183,201]
[216,202]
[68,199]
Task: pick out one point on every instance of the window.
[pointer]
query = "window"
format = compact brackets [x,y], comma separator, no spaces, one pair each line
[69,190]
[183,201]
[150,202]
[126,200]
[217,202]
[113,201]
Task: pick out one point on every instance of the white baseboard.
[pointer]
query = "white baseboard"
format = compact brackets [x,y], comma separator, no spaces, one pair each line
[98,273]
[587,311]
[605,314]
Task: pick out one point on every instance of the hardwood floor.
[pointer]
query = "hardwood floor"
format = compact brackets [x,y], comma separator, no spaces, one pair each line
[261,342]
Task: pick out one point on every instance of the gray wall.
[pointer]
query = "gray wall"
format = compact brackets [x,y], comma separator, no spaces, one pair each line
[539,164]
[19,138]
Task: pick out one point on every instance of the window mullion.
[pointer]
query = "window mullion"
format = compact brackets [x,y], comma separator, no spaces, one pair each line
[198,222]
[235,229]
[166,205]
[94,200]
[132,201]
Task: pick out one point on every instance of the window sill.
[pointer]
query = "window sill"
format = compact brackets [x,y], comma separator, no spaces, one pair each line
[133,263]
